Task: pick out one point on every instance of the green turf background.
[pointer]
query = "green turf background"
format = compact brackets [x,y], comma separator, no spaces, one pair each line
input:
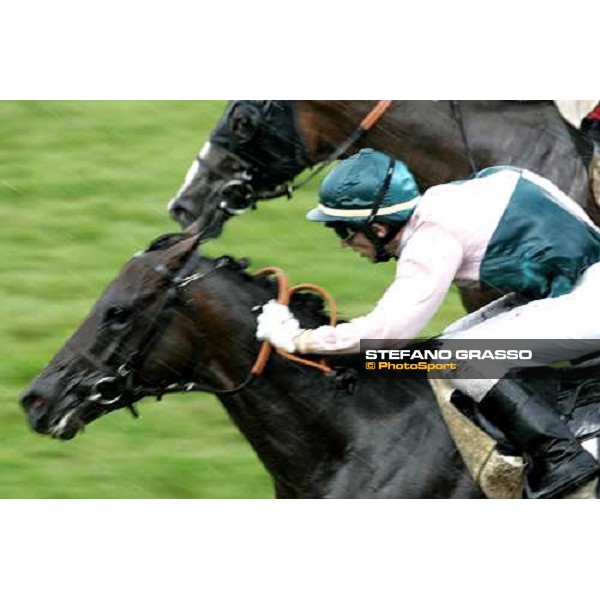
[84,185]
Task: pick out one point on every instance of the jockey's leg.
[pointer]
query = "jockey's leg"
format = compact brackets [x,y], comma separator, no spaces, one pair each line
[569,329]
[556,462]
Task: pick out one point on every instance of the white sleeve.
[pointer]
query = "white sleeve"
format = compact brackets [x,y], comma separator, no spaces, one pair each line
[426,268]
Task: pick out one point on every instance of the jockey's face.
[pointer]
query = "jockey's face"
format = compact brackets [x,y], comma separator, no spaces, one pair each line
[359,242]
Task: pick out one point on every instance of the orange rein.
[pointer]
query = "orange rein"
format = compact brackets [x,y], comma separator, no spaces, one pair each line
[375,114]
[283,297]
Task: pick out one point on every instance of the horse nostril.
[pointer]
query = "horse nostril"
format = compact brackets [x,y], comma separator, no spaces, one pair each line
[33,402]
[37,409]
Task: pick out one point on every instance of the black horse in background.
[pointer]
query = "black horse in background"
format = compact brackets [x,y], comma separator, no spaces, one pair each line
[174,321]
[259,146]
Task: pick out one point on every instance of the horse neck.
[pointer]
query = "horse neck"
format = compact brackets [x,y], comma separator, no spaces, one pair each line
[283,415]
[315,441]
[427,136]
[326,124]
[422,133]
[280,412]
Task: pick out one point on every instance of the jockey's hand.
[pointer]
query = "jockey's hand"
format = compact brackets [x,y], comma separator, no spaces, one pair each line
[278,325]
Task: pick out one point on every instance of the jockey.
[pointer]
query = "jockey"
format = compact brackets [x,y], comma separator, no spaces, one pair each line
[506,228]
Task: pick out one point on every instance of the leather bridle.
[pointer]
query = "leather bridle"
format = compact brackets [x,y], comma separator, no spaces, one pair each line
[239,193]
[122,387]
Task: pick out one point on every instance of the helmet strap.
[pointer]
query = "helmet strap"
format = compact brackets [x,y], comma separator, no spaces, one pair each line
[381,254]
[379,243]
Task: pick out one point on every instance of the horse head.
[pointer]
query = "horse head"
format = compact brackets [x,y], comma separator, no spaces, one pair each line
[171,321]
[255,149]
[138,339]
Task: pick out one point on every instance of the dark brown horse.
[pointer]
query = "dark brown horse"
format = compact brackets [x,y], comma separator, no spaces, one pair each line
[173,321]
[259,147]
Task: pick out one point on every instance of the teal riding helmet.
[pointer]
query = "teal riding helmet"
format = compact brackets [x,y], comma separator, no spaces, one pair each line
[348,192]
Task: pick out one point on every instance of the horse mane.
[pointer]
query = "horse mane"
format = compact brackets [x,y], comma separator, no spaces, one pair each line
[309,305]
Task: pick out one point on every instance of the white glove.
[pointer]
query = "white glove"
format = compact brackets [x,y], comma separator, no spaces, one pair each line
[278,325]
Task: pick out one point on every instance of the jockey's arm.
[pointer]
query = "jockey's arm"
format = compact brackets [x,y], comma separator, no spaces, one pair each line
[428,263]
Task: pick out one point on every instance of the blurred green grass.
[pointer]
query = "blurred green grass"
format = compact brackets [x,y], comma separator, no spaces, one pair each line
[84,185]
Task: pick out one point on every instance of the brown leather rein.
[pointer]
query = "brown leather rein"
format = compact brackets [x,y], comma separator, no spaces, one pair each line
[284,296]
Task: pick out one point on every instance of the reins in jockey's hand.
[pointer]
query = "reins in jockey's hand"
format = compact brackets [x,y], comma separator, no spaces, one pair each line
[284,296]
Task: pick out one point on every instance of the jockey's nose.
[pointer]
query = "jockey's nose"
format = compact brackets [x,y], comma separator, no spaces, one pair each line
[36,408]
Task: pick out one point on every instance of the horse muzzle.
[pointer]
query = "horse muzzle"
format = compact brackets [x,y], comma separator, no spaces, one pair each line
[63,415]
[63,421]
[37,410]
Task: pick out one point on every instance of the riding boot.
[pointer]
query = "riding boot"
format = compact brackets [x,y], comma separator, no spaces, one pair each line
[555,462]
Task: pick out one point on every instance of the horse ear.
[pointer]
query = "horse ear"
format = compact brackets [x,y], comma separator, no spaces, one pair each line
[178,254]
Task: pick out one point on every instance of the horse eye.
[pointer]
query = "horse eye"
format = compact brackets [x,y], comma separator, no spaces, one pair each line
[117,316]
